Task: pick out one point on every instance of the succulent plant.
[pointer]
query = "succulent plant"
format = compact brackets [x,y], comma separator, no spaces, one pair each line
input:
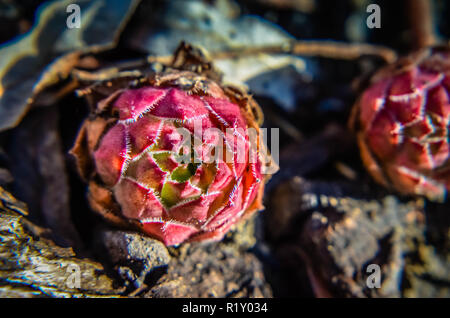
[402,122]
[152,164]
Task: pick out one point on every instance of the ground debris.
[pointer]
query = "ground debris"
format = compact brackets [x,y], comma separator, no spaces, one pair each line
[338,237]
[32,266]
[216,269]
[137,258]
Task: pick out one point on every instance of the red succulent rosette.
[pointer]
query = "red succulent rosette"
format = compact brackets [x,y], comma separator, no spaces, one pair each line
[402,122]
[172,156]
